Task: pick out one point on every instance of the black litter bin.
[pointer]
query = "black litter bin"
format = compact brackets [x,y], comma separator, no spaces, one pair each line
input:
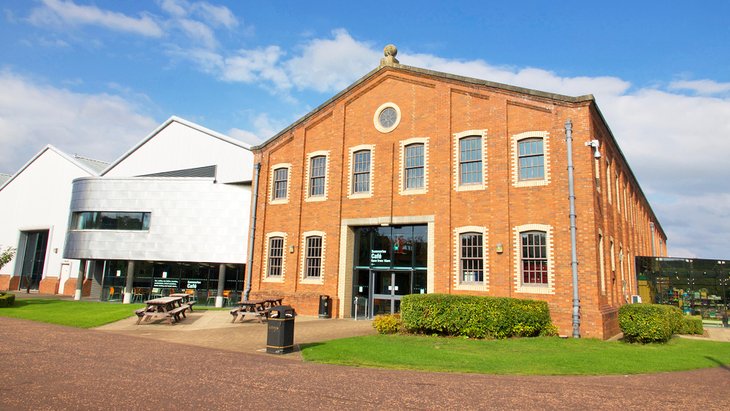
[280,337]
[324,306]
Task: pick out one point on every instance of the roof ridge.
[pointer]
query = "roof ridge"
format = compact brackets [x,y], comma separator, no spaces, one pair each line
[90,159]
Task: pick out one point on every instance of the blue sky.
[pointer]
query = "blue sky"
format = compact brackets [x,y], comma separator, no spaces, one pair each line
[94,78]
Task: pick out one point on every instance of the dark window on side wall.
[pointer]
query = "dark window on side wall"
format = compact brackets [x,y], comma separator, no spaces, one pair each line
[276,252]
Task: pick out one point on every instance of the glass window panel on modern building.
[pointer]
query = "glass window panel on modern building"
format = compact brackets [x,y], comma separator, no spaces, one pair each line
[281,176]
[318,167]
[697,286]
[470,160]
[534,258]
[110,220]
[313,267]
[531,159]
[361,171]
[471,261]
[414,166]
[276,252]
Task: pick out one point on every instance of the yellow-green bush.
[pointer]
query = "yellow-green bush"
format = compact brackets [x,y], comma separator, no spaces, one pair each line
[388,324]
[476,316]
[691,324]
[647,323]
[7,300]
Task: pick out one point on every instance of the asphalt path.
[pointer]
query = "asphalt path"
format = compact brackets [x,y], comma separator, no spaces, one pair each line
[50,367]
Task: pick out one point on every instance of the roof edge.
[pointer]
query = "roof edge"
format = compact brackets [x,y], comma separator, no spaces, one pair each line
[49,147]
[165,124]
[433,73]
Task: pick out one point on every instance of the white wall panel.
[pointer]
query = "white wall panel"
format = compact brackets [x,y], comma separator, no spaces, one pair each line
[192,219]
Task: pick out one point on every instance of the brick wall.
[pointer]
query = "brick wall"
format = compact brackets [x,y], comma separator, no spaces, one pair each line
[433,110]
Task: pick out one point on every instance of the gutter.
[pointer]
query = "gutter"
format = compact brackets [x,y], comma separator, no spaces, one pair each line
[252,230]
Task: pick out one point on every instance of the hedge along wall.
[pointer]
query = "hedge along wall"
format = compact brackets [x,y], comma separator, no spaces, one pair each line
[476,316]
[650,322]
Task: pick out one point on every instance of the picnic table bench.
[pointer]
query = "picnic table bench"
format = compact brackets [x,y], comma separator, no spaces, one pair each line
[257,308]
[186,299]
[163,308]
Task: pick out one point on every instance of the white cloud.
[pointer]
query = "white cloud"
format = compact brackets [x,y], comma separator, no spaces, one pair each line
[701,87]
[331,64]
[216,15]
[59,12]
[676,144]
[100,126]
[198,32]
[263,129]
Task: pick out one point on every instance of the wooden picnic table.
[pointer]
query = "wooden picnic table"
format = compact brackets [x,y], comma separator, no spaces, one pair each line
[273,302]
[186,299]
[169,308]
[256,308]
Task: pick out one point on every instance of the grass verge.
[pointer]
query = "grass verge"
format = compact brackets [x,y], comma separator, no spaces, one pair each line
[80,314]
[524,356]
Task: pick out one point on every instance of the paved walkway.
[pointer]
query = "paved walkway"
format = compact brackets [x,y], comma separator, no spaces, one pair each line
[213,329]
[50,367]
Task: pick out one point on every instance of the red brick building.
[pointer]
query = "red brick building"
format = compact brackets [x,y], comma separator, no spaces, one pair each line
[415,181]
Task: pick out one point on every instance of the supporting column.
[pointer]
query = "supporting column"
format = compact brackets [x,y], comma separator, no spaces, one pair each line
[80,280]
[130,283]
[221,285]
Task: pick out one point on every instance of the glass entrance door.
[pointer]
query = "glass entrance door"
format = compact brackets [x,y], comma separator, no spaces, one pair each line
[34,259]
[388,287]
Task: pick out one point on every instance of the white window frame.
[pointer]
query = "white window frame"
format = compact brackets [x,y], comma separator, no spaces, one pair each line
[323,153]
[401,180]
[545,136]
[456,142]
[351,170]
[303,258]
[459,284]
[275,167]
[519,286]
[265,265]
[376,119]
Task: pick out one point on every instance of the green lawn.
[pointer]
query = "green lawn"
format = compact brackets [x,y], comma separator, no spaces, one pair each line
[525,356]
[81,314]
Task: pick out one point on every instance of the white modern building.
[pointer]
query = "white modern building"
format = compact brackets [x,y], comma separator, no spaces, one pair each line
[34,220]
[171,214]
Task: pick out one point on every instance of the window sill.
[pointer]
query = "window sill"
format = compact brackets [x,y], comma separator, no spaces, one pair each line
[312,280]
[471,187]
[273,279]
[281,201]
[356,196]
[535,289]
[413,191]
[475,286]
[532,183]
[315,199]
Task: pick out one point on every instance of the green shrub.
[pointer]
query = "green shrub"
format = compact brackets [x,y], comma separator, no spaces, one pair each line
[646,323]
[7,300]
[475,316]
[388,324]
[691,324]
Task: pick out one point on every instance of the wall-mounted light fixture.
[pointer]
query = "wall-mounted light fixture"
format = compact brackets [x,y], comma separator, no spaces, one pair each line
[500,248]
[291,249]
[595,144]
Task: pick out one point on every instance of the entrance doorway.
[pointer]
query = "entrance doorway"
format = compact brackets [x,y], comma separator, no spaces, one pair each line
[380,291]
[32,253]
[388,289]
[390,262]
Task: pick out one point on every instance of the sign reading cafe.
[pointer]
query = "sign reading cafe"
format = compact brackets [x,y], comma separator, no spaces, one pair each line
[379,256]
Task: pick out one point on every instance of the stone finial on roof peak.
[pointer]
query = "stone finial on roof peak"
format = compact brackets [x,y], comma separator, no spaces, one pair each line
[389,52]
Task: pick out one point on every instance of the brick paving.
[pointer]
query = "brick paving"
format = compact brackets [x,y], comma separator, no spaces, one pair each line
[47,366]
